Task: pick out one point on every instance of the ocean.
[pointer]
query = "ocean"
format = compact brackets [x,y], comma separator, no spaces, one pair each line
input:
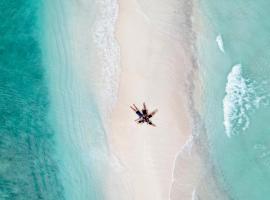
[53,140]
[234,55]
[28,167]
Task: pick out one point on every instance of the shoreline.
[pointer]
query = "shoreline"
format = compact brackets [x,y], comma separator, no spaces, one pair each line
[214,189]
[186,171]
[69,55]
[147,154]
[108,56]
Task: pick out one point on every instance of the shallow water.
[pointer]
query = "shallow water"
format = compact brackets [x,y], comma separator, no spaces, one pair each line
[237,94]
[53,143]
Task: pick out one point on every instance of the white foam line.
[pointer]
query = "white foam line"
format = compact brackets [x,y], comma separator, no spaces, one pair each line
[108,51]
[219,41]
[235,85]
[194,195]
[186,147]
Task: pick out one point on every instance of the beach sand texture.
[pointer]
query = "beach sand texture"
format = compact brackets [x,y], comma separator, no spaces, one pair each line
[155,64]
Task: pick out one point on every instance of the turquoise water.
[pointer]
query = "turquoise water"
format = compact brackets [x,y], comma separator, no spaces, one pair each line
[237,93]
[52,143]
[80,139]
[28,169]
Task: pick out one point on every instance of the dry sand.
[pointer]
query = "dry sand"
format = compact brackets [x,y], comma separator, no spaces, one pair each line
[155,64]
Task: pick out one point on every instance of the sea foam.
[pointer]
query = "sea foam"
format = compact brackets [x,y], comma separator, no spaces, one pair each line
[219,41]
[108,52]
[233,108]
[242,97]
[194,195]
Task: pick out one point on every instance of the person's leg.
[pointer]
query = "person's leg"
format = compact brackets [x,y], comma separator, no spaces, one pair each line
[136,120]
[138,112]
[133,108]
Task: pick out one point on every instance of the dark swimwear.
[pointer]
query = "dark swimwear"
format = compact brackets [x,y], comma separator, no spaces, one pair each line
[139,113]
[144,112]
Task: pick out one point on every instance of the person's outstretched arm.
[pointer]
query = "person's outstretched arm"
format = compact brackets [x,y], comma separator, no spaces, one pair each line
[151,123]
[152,113]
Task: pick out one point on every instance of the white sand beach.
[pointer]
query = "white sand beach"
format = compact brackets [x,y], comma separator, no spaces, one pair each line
[155,63]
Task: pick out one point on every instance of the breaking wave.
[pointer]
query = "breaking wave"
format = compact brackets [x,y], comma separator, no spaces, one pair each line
[242,97]
[219,41]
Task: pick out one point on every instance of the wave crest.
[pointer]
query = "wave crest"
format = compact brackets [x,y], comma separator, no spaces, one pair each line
[219,41]
[242,97]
